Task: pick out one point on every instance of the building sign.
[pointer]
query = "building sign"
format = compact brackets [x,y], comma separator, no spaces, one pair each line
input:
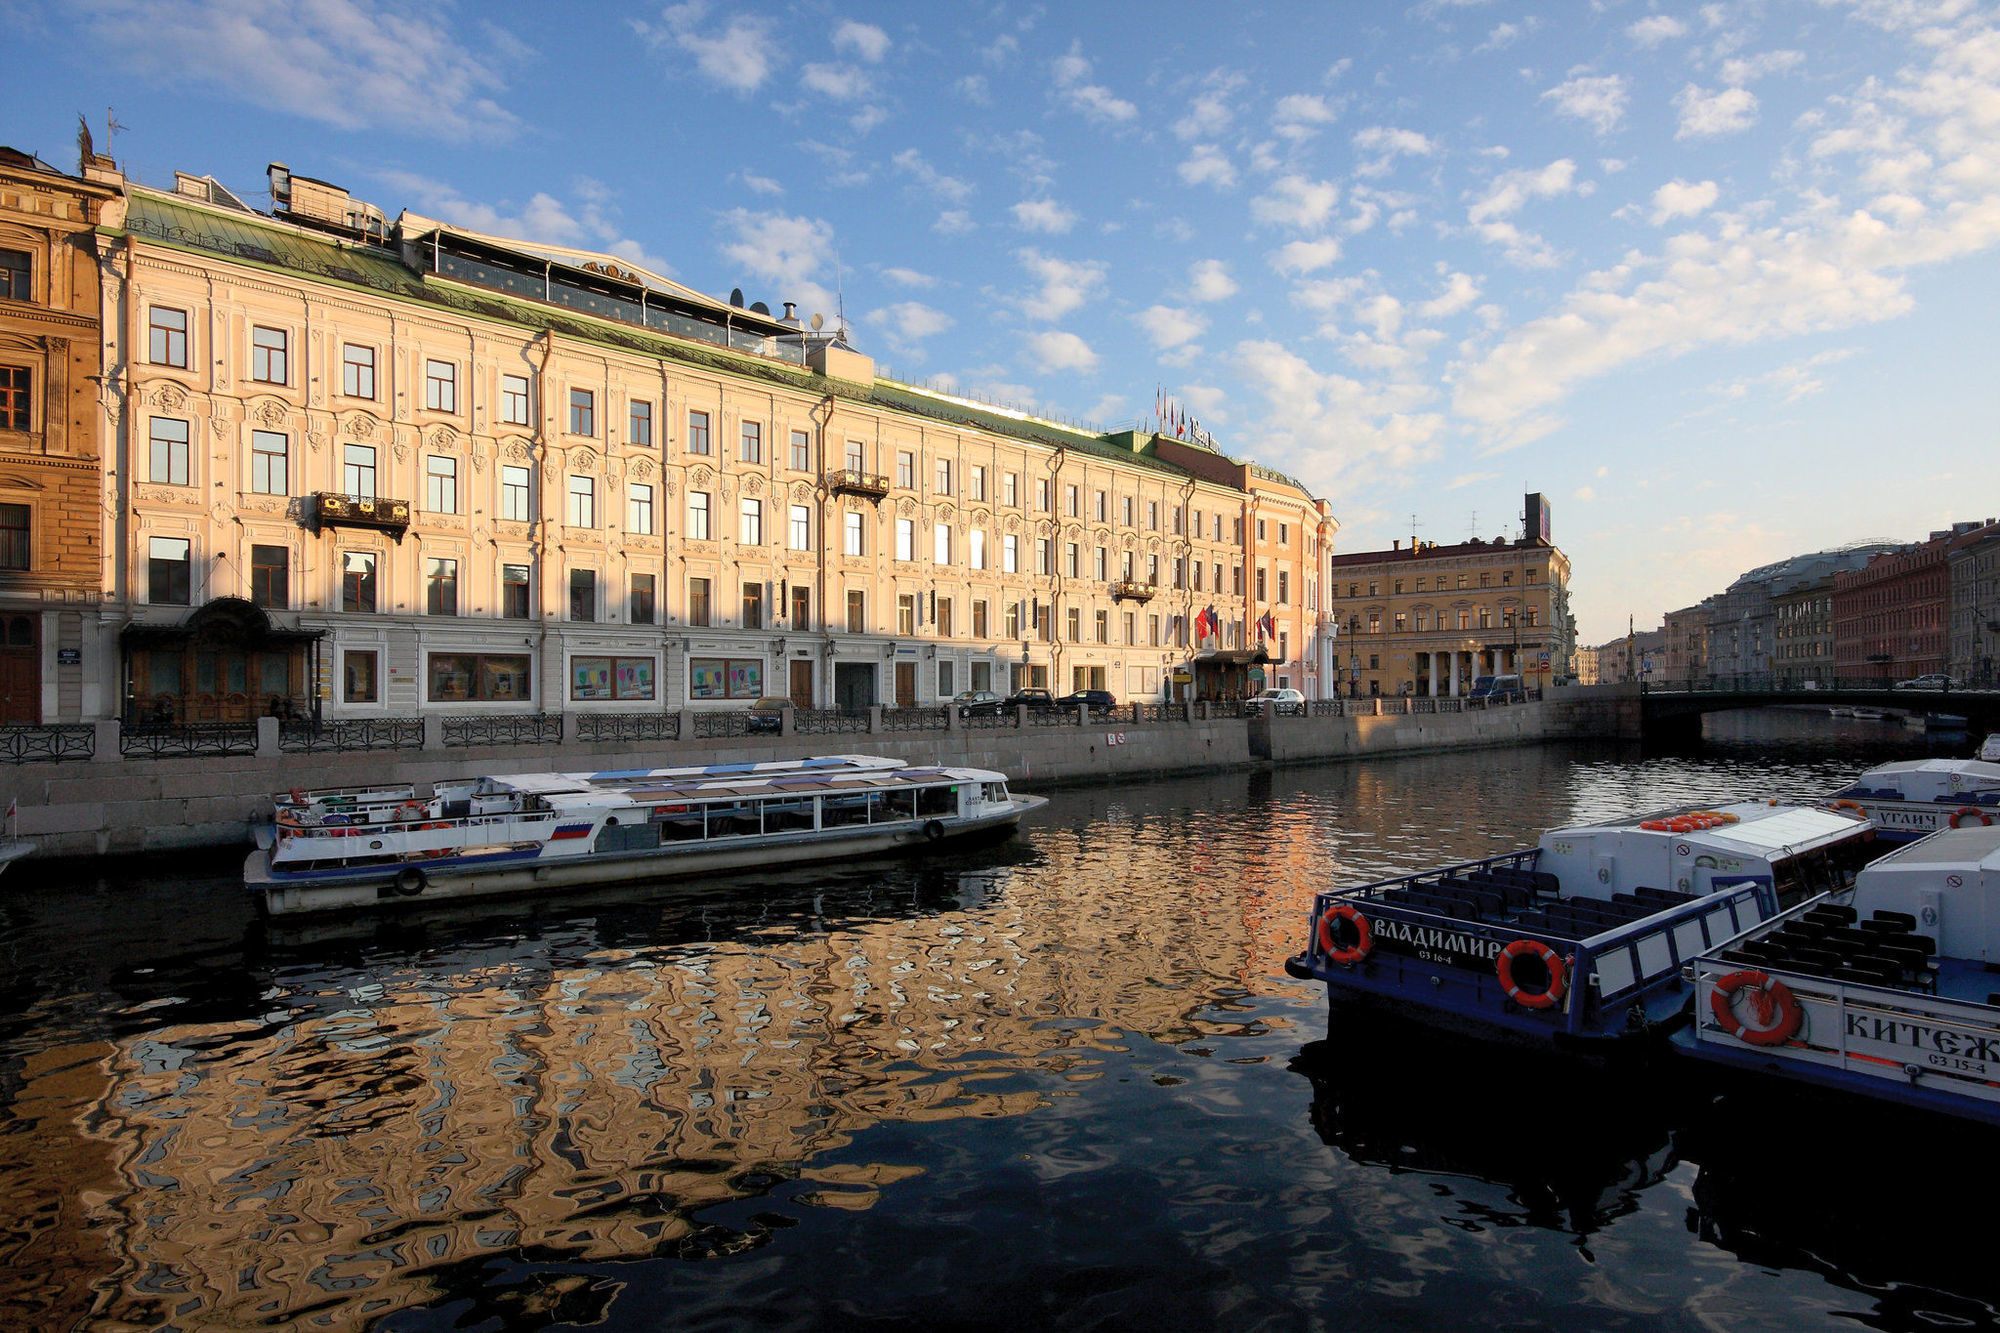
[69,657]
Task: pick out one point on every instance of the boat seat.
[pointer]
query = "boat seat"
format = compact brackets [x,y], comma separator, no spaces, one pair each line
[1847,937]
[1665,897]
[1899,920]
[1765,951]
[1867,975]
[1833,914]
[1739,956]
[1817,957]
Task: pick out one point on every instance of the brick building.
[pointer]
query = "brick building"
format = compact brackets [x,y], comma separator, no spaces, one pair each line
[1891,617]
[1973,560]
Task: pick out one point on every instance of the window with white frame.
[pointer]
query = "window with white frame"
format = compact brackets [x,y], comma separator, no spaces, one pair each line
[1010,553]
[639,508]
[941,544]
[854,537]
[800,528]
[801,451]
[270,356]
[441,484]
[582,412]
[582,511]
[697,520]
[516,502]
[167,336]
[440,386]
[753,442]
[270,458]
[906,539]
[169,451]
[357,370]
[514,400]
[976,548]
[750,526]
[357,470]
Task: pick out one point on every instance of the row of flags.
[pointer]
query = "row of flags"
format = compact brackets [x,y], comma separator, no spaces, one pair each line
[1207,624]
[1173,419]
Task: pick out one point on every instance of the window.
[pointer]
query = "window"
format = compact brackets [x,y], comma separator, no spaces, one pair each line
[1152,571]
[799,532]
[853,535]
[906,470]
[753,442]
[1071,564]
[1197,576]
[583,595]
[1236,580]
[582,511]
[906,539]
[611,677]
[941,482]
[1100,503]
[697,523]
[750,528]
[639,423]
[698,601]
[1042,494]
[357,673]
[1069,501]
[977,483]
[725,677]
[357,470]
[976,552]
[1044,557]
[639,603]
[1180,520]
[514,592]
[1104,627]
[1128,511]
[14,537]
[1530,616]
[1399,622]
[582,412]
[17,275]
[1180,571]
[440,484]
[1010,489]
[941,544]
[753,604]
[944,680]
[1374,622]
[801,451]
[170,451]
[857,611]
[639,508]
[802,606]
[1010,554]
[1100,566]
[943,617]
[1131,627]
[167,336]
[1485,579]
[1284,586]
[357,580]
[270,587]
[1284,534]
[979,617]
[1152,515]
[906,613]
[463,677]
[514,400]
[1153,631]
[514,493]
[441,587]
[440,386]
[1260,529]
[856,456]
[269,360]
[1486,617]
[1074,621]
[269,452]
[697,441]
[1013,620]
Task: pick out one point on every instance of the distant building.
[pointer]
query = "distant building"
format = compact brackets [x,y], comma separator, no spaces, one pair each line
[1890,617]
[1687,645]
[1742,619]
[1802,633]
[1586,665]
[1973,560]
[1637,656]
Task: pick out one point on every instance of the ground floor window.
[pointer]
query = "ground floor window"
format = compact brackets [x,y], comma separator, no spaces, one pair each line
[358,681]
[725,677]
[460,677]
[611,678]
[982,675]
[1087,678]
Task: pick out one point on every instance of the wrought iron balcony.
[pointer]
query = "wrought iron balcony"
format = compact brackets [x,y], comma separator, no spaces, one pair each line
[847,481]
[333,509]
[1131,590]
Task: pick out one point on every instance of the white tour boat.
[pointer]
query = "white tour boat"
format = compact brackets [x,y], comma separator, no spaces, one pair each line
[364,846]
[1914,797]
[1889,992]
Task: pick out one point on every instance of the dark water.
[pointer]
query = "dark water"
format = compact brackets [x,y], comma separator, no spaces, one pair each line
[1062,1082]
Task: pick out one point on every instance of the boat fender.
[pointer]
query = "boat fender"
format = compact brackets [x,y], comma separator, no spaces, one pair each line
[409,882]
[934,831]
[1547,997]
[1966,813]
[1297,967]
[1347,955]
[1773,1006]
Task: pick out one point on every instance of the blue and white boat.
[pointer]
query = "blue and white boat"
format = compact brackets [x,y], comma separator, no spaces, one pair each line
[1887,990]
[1911,798]
[368,846]
[1582,937]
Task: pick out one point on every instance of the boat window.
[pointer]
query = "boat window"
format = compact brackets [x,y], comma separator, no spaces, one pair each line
[1654,955]
[897,805]
[782,816]
[840,811]
[1614,971]
[937,801]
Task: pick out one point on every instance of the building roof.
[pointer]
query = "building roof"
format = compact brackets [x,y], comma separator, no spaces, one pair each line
[1432,551]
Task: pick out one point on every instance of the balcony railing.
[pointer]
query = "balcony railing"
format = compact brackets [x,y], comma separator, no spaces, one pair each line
[333,509]
[1131,590]
[848,481]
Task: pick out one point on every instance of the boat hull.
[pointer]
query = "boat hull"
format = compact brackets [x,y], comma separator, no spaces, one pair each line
[457,879]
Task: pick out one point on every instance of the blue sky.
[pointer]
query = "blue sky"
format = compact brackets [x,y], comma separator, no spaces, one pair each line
[1720,280]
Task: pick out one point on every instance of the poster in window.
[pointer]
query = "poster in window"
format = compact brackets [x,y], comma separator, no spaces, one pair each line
[590,678]
[746,678]
[635,678]
[708,678]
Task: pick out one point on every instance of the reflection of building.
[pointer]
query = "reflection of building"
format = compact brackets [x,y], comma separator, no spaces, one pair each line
[50,472]
[510,475]
[1428,619]
[1974,562]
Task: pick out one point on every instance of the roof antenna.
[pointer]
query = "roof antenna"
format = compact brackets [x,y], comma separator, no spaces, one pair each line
[839,295]
[1474,526]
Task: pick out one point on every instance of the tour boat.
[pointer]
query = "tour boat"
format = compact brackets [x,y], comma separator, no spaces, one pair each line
[365,846]
[1579,940]
[1887,990]
[1914,797]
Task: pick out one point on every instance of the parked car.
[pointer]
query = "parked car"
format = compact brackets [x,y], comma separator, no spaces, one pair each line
[1936,680]
[1029,698]
[976,703]
[768,715]
[1278,701]
[1099,700]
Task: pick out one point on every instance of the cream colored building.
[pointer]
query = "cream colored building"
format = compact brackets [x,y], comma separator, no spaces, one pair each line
[402,467]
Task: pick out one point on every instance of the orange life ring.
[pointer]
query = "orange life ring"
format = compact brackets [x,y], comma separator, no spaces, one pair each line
[1964,812]
[1550,960]
[1843,805]
[1777,1009]
[298,797]
[410,810]
[1329,943]
[1656,826]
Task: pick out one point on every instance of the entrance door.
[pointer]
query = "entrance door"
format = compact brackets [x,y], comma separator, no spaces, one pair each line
[802,684]
[853,686]
[906,684]
[21,671]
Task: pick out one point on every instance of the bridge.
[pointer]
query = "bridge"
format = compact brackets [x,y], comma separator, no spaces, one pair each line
[1672,710]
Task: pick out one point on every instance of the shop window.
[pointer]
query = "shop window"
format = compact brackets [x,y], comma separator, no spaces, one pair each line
[604,678]
[725,677]
[486,677]
[357,675]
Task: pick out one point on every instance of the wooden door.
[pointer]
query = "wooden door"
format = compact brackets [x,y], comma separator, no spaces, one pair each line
[21,671]
[906,684]
[802,684]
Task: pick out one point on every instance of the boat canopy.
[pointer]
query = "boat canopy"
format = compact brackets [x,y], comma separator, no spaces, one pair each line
[1782,831]
[1950,882]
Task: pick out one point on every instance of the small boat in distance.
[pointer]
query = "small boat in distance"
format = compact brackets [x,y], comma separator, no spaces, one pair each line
[367,846]
[1579,940]
[1868,715]
[1911,798]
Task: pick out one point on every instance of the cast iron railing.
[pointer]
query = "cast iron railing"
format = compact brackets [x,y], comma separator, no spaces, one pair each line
[913,719]
[351,733]
[56,742]
[827,722]
[181,740]
[628,727]
[504,729]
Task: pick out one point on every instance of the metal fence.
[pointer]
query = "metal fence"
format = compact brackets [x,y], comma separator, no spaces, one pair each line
[1002,719]
[29,745]
[182,740]
[914,719]
[628,727]
[719,724]
[827,722]
[504,729]
[362,733]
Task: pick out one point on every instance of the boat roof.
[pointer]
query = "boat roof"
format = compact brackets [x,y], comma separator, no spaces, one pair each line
[1972,848]
[571,791]
[1971,768]
[543,784]
[1762,827]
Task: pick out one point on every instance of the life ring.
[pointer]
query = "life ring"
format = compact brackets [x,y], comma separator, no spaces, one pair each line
[1558,983]
[1656,826]
[934,831]
[410,810]
[1771,999]
[1965,812]
[1854,806]
[1364,936]
[410,882]
[298,797]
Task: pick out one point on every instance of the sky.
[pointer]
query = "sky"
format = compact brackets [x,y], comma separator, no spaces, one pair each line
[1719,280]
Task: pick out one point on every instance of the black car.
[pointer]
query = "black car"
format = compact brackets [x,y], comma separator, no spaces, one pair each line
[1038,700]
[767,716]
[976,703]
[1099,700]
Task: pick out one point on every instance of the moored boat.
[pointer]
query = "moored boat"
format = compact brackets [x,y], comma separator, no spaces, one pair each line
[1580,939]
[1914,797]
[366,846]
[11,852]
[1887,991]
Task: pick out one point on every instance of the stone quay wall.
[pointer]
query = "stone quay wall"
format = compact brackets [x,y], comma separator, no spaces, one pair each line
[116,804]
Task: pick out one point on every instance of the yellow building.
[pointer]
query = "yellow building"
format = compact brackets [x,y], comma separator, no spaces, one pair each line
[393,467]
[1430,619]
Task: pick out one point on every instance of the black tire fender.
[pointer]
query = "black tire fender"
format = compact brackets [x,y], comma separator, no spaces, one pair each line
[934,831]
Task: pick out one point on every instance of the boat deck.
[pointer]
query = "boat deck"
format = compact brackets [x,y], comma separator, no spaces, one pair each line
[1527,901]
[1830,942]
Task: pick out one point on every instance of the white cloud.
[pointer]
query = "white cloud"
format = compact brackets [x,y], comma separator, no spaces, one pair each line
[1071,73]
[1505,35]
[1296,202]
[1171,326]
[1596,99]
[1789,382]
[1741,71]
[865,40]
[1065,284]
[1300,115]
[1459,293]
[973,89]
[589,223]
[739,56]
[949,188]
[760,184]
[1679,199]
[1387,144]
[1209,280]
[1044,215]
[1510,190]
[907,323]
[1057,350]
[1655,29]
[337,62]
[1704,114]
[1464,479]
[838,83]
[1210,114]
[954,222]
[1206,165]
[909,277]
[1305,256]
[1584,494]
[786,251]
[1340,434]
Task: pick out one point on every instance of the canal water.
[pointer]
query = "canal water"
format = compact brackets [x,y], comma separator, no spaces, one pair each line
[1060,1082]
